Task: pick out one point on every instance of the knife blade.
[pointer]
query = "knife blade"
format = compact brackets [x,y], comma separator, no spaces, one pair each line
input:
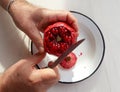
[70,49]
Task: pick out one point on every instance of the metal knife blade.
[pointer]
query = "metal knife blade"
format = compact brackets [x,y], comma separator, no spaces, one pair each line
[70,49]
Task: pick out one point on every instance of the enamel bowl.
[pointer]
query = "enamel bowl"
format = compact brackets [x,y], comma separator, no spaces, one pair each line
[89,54]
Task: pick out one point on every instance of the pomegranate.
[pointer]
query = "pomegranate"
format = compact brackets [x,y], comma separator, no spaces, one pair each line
[58,37]
[69,61]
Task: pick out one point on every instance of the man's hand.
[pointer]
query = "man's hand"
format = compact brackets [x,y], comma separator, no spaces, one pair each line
[32,19]
[24,77]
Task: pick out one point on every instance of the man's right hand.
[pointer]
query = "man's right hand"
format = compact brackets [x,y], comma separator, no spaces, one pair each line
[24,77]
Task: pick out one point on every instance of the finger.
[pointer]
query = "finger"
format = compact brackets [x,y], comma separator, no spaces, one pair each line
[39,57]
[36,37]
[35,59]
[54,16]
[43,24]
[65,16]
[69,19]
[46,75]
[72,21]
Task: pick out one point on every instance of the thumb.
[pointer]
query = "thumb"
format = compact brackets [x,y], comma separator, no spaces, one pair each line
[36,37]
[38,41]
[46,75]
[35,59]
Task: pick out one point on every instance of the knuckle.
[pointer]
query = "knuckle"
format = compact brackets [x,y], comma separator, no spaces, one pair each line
[56,77]
[31,81]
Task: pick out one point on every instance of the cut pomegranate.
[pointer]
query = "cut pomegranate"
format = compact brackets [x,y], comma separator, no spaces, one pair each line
[58,37]
[69,61]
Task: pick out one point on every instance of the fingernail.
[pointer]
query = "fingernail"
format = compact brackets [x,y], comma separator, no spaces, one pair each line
[41,49]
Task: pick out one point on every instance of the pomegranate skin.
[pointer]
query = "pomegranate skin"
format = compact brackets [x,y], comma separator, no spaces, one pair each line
[69,61]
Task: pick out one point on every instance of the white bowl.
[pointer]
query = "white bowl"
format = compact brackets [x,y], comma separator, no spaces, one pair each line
[89,54]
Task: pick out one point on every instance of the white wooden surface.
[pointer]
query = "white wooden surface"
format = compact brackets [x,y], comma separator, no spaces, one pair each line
[14,44]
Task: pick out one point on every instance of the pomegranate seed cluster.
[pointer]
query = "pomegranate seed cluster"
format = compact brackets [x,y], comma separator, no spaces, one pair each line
[59,37]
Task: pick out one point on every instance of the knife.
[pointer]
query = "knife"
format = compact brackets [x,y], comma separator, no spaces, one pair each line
[70,49]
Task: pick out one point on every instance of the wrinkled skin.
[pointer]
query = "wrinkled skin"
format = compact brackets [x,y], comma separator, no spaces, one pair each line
[31,20]
[24,77]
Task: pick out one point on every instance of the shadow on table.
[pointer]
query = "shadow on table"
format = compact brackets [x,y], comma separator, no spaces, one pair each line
[12,46]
